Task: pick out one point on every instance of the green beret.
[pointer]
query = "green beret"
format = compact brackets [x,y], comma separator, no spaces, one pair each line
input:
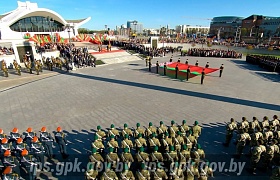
[166,134]
[126,150]
[112,126]
[160,122]
[176,164]
[184,121]
[112,137]
[159,165]
[198,146]
[171,148]
[95,137]
[94,150]
[138,124]
[98,127]
[141,149]
[150,123]
[179,133]
[126,136]
[125,125]
[153,134]
[142,165]
[184,146]
[155,148]
[190,131]
[196,123]
[172,122]
[126,166]
[139,135]
[111,149]
[109,166]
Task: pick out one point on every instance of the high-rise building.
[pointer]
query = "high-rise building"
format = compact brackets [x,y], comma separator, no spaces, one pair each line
[135,26]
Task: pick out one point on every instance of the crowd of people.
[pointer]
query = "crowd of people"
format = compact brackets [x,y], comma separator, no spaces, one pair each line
[6,51]
[270,63]
[262,137]
[153,152]
[27,151]
[203,52]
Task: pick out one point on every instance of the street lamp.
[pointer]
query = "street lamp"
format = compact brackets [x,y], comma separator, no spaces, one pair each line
[68,27]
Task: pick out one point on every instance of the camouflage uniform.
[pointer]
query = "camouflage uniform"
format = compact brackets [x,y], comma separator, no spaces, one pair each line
[141,156]
[150,130]
[184,128]
[140,142]
[112,157]
[156,156]
[196,129]
[127,131]
[173,129]
[166,142]
[241,142]
[138,131]
[161,130]
[229,131]
[99,133]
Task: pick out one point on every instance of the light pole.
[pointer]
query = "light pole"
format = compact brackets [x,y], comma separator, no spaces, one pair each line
[68,27]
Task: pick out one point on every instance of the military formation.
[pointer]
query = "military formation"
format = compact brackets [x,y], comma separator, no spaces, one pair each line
[27,151]
[262,137]
[271,63]
[152,152]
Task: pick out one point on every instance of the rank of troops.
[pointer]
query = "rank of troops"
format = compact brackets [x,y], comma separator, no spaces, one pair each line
[263,139]
[270,63]
[202,52]
[137,149]
[27,151]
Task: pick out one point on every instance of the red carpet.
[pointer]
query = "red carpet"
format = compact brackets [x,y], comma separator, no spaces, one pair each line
[194,69]
[105,51]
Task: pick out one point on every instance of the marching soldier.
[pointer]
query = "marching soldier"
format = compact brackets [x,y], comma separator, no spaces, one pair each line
[113,143]
[126,174]
[126,130]
[126,157]
[2,135]
[38,151]
[157,67]
[91,173]
[265,123]
[185,154]
[229,131]
[96,158]
[37,66]
[271,149]
[275,122]
[47,141]
[243,137]
[156,156]
[202,76]
[184,128]
[191,140]
[14,135]
[166,142]
[257,124]
[192,172]
[140,142]
[198,154]
[101,134]
[150,130]
[4,68]
[164,69]
[176,172]
[141,156]
[267,134]
[97,144]
[61,141]
[143,173]
[5,146]
[40,66]
[12,161]
[159,173]
[9,174]
[17,67]
[113,131]
[126,143]
[205,172]
[171,156]
[173,129]
[153,141]
[256,155]
[20,146]
[29,135]
[112,158]
[196,129]
[29,163]
[138,130]
[244,124]
[28,65]
[178,141]
[161,130]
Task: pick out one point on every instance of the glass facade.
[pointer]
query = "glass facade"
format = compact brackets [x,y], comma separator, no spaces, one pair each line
[37,24]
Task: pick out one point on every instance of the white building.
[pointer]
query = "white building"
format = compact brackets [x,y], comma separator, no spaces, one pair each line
[29,18]
[189,30]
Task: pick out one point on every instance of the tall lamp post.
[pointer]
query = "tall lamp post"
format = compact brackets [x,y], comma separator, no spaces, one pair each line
[68,27]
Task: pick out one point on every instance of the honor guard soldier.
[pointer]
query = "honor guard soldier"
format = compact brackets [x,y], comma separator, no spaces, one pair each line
[184,154]
[150,130]
[161,129]
[198,154]
[207,65]
[29,163]
[242,138]
[188,73]
[196,63]
[14,135]
[113,143]
[96,158]
[192,172]
[229,131]
[268,155]
[97,144]
[244,124]
[265,123]
[143,173]
[37,67]
[171,156]
[61,141]
[141,156]
[138,130]
[178,141]
[91,173]
[173,129]
[176,172]
[126,174]
[126,130]
[156,156]
[157,66]
[28,136]
[140,142]
[20,146]
[153,141]
[12,161]
[221,70]
[166,142]
[112,158]
[47,141]
[202,77]
[17,67]
[2,135]
[274,123]
[256,155]
[205,172]
[192,139]
[150,65]
[196,129]
[9,174]
[5,145]
[38,151]
[184,128]
[126,157]
[164,69]
[126,143]
[176,71]
[113,131]
[159,173]
[4,68]
[101,134]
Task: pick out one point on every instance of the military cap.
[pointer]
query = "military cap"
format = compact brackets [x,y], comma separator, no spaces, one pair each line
[112,137]
[125,125]
[179,133]
[153,135]
[243,118]
[150,123]
[207,163]
[111,149]
[198,146]
[139,135]
[265,118]
[196,123]
[112,126]
[125,150]
[95,137]
[161,122]
[231,120]
[109,166]
[155,148]
[190,131]
[98,127]
[184,121]
[141,149]
[172,122]
[138,124]
[176,164]
[94,150]
[126,136]
[143,166]
[166,134]
[126,166]
[171,148]
[184,146]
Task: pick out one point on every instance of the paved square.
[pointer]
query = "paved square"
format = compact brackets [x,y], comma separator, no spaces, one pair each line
[128,93]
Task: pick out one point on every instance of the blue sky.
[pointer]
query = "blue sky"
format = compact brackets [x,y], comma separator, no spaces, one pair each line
[152,13]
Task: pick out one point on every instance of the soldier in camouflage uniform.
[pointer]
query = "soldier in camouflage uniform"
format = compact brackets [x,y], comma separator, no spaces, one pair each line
[156,156]
[126,143]
[112,158]
[126,157]
[229,131]
[268,156]
[101,134]
[138,131]
[243,137]
[166,142]
[97,144]
[205,172]
[173,129]
[127,131]
[275,173]
[113,143]
[153,141]
[96,158]
[275,123]
[113,131]
[171,156]
[143,173]
[256,124]
[150,130]
[178,141]
[184,128]
[161,129]
[256,155]
[109,174]
[265,123]
[159,173]
[196,129]
[141,156]
[126,174]
[140,142]
[184,154]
